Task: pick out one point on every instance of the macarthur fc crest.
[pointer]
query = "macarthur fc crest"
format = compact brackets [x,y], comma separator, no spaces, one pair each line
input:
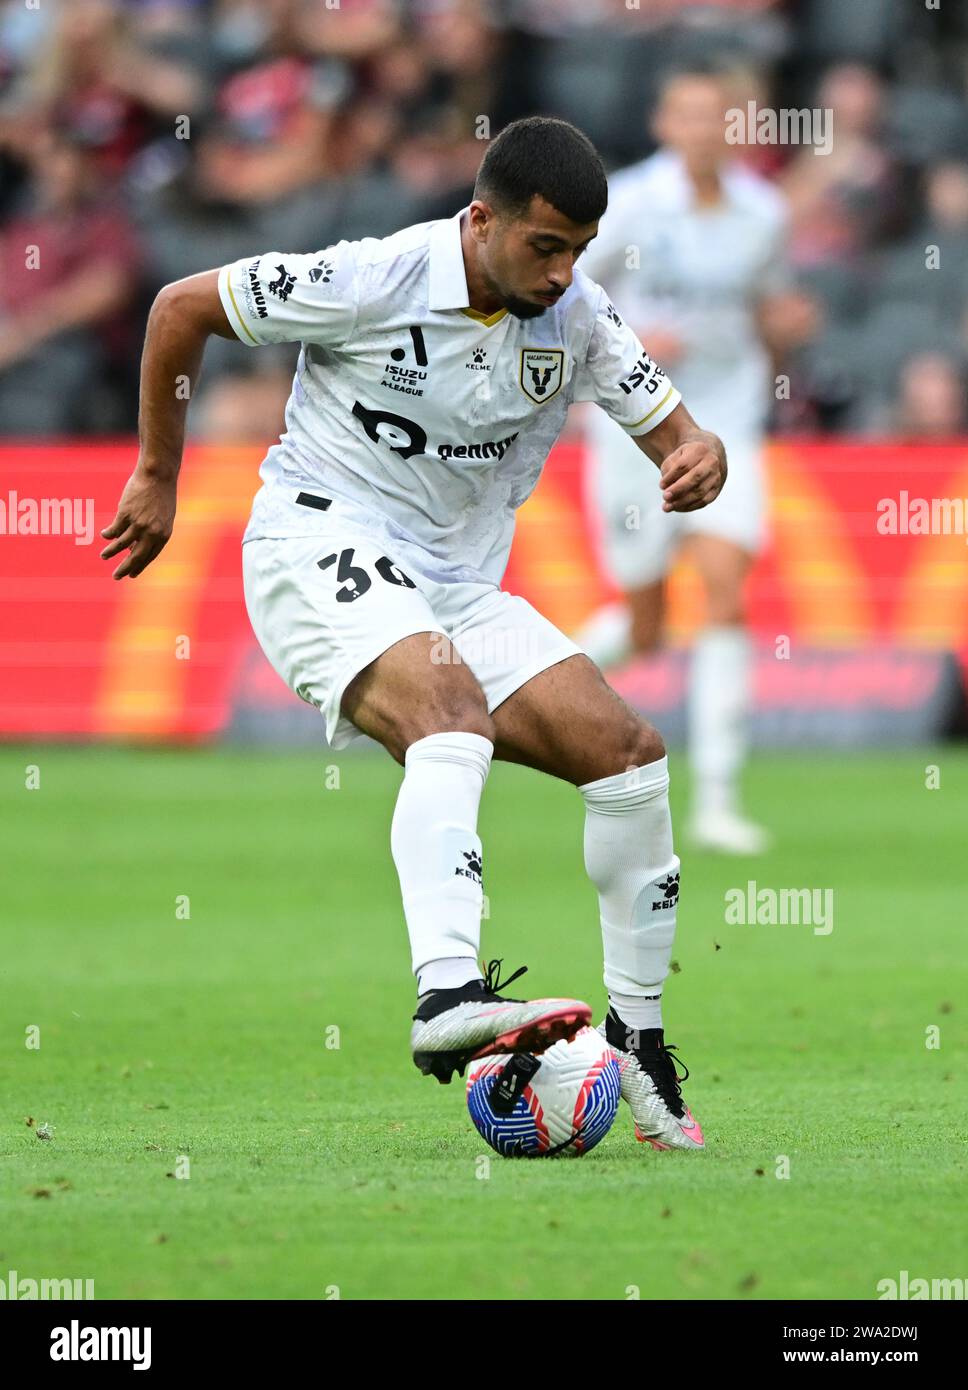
[542,371]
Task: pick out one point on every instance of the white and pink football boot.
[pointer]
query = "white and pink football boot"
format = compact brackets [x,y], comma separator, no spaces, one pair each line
[652,1086]
[454,1026]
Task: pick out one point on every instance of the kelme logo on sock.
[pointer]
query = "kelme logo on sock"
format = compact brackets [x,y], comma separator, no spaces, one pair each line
[669,888]
[473,868]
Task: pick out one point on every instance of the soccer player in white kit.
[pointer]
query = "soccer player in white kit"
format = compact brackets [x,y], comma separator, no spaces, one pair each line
[436,370]
[691,250]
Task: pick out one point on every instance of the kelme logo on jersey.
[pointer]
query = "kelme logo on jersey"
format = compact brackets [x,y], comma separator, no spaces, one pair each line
[542,372]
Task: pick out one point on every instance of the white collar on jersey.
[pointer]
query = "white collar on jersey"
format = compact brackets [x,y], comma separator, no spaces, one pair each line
[448,282]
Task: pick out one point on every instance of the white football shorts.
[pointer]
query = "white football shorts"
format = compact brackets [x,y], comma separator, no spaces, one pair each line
[637,540]
[324,606]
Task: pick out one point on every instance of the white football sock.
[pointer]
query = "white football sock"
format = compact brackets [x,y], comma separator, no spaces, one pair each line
[438,855]
[630,859]
[719,698]
[638,1011]
[607,636]
[447,974]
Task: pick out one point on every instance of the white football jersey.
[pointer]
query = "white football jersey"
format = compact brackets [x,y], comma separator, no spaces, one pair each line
[430,420]
[698,272]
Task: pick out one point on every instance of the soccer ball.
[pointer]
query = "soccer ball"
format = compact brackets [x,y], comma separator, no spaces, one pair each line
[562,1102]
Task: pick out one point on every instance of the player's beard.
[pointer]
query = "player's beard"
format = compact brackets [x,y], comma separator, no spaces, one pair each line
[523,308]
[519,308]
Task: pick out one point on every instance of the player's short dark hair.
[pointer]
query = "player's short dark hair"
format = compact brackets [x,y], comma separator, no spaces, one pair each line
[542,156]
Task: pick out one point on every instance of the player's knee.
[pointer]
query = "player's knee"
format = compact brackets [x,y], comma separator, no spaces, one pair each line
[645,745]
[634,744]
[443,711]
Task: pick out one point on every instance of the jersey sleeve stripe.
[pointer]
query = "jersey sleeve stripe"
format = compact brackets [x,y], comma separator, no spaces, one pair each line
[655,409]
[226,282]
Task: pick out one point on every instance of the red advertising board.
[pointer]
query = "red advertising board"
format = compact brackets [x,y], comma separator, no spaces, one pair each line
[163,655]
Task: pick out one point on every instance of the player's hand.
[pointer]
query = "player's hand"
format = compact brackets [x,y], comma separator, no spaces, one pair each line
[693,475]
[143,524]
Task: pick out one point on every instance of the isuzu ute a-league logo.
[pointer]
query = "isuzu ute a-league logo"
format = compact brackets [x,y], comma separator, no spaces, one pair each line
[542,371]
[473,867]
[397,378]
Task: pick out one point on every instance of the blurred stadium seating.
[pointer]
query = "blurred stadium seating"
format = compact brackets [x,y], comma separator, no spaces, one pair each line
[143,140]
[308,122]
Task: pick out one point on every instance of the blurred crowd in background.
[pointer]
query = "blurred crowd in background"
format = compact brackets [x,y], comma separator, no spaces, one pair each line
[144,140]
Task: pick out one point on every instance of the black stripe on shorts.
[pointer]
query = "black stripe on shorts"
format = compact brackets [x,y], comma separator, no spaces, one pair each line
[322,504]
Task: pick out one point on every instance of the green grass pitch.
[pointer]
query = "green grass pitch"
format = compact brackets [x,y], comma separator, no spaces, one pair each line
[319,1171]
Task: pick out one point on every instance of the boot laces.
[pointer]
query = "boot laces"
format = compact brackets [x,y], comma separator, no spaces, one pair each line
[492,978]
[661,1065]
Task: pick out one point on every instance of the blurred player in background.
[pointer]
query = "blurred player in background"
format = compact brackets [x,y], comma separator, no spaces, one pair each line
[691,250]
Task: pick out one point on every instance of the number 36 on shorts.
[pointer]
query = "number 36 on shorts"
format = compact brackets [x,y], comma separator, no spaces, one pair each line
[355,580]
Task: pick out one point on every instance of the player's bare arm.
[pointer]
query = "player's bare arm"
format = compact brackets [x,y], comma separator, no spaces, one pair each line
[184,315]
[692,461]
